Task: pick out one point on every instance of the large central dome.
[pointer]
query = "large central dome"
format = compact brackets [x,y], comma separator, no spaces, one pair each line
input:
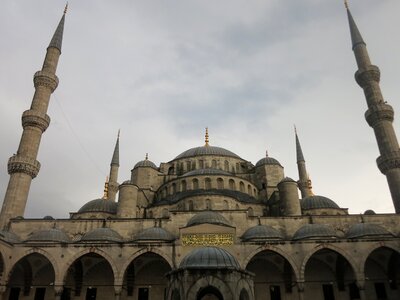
[206,150]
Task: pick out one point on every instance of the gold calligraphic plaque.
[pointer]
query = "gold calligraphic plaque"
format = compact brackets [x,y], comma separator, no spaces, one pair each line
[207,239]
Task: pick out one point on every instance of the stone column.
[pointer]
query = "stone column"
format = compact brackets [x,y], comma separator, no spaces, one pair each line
[3,289]
[300,289]
[58,290]
[361,287]
[117,292]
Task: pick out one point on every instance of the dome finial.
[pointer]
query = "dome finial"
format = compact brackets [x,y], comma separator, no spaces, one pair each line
[105,196]
[66,8]
[266,153]
[206,137]
[147,156]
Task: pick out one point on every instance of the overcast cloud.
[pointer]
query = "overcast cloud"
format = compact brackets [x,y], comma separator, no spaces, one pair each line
[163,70]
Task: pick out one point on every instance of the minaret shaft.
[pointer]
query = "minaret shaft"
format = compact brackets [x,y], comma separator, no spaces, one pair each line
[303,183]
[379,115]
[113,178]
[23,166]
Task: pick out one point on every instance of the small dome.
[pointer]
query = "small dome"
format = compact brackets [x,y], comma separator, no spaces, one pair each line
[314,231]
[102,235]
[145,163]
[206,172]
[208,217]
[48,218]
[366,230]
[9,237]
[48,235]
[287,179]
[267,161]
[209,258]
[314,202]
[206,150]
[262,232]
[154,234]
[99,205]
[369,212]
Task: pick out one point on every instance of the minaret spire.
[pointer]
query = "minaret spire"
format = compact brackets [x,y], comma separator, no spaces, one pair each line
[114,166]
[23,166]
[206,138]
[379,115]
[304,181]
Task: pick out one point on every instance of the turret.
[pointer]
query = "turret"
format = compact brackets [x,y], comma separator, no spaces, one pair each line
[23,166]
[379,115]
[304,182]
[289,197]
[114,166]
[127,200]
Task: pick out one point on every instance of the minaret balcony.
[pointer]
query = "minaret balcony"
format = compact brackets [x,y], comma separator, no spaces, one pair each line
[42,78]
[21,164]
[389,161]
[35,119]
[364,77]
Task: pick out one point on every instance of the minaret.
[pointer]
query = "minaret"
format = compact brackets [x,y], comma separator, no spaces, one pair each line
[304,182]
[114,166]
[379,115]
[23,166]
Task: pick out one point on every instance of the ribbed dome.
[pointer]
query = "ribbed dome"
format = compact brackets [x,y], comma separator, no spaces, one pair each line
[9,236]
[366,230]
[145,163]
[262,232]
[102,235]
[208,217]
[314,231]
[154,234]
[49,235]
[99,205]
[313,202]
[206,150]
[268,161]
[206,172]
[209,258]
[369,212]
[287,179]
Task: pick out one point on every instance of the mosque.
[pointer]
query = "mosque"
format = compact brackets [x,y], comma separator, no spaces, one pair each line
[207,224]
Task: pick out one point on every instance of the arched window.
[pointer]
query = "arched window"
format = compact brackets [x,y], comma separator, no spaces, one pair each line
[220,183]
[195,184]
[171,170]
[226,166]
[193,165]
[249,189]
[241,187]
[214,164]
[207,183]
[232,185]
[191,206]
[173,189]
[201,164]
[183,185]
[188,166]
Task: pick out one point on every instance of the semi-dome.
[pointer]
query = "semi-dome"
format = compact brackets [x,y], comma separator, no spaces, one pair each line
[267,161]
[49,235]
[209,258]
[102,235]
[208,171]
[99,205]
[366,230]
[154,234]
[315,202]
[208,217]
[206,150]
[145,163]
[9,237]
[314,231]
[262,232]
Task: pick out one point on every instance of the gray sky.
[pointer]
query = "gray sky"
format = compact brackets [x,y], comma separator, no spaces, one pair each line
[163,70]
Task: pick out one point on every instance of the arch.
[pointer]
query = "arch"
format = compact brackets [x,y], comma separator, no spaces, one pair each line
[220,183]
[276,250]
[328,247]
[373,248]
[206,292]
[42,252]
[183,186]
[214,164]
[207,183]
[249,190]
[232,185]
[241,186]
[206,281]
[141,252]
[226,166]
[244,295]
[195,184]
[173,189]
[82,253]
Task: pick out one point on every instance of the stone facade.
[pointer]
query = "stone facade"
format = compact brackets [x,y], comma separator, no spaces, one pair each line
[205,225]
